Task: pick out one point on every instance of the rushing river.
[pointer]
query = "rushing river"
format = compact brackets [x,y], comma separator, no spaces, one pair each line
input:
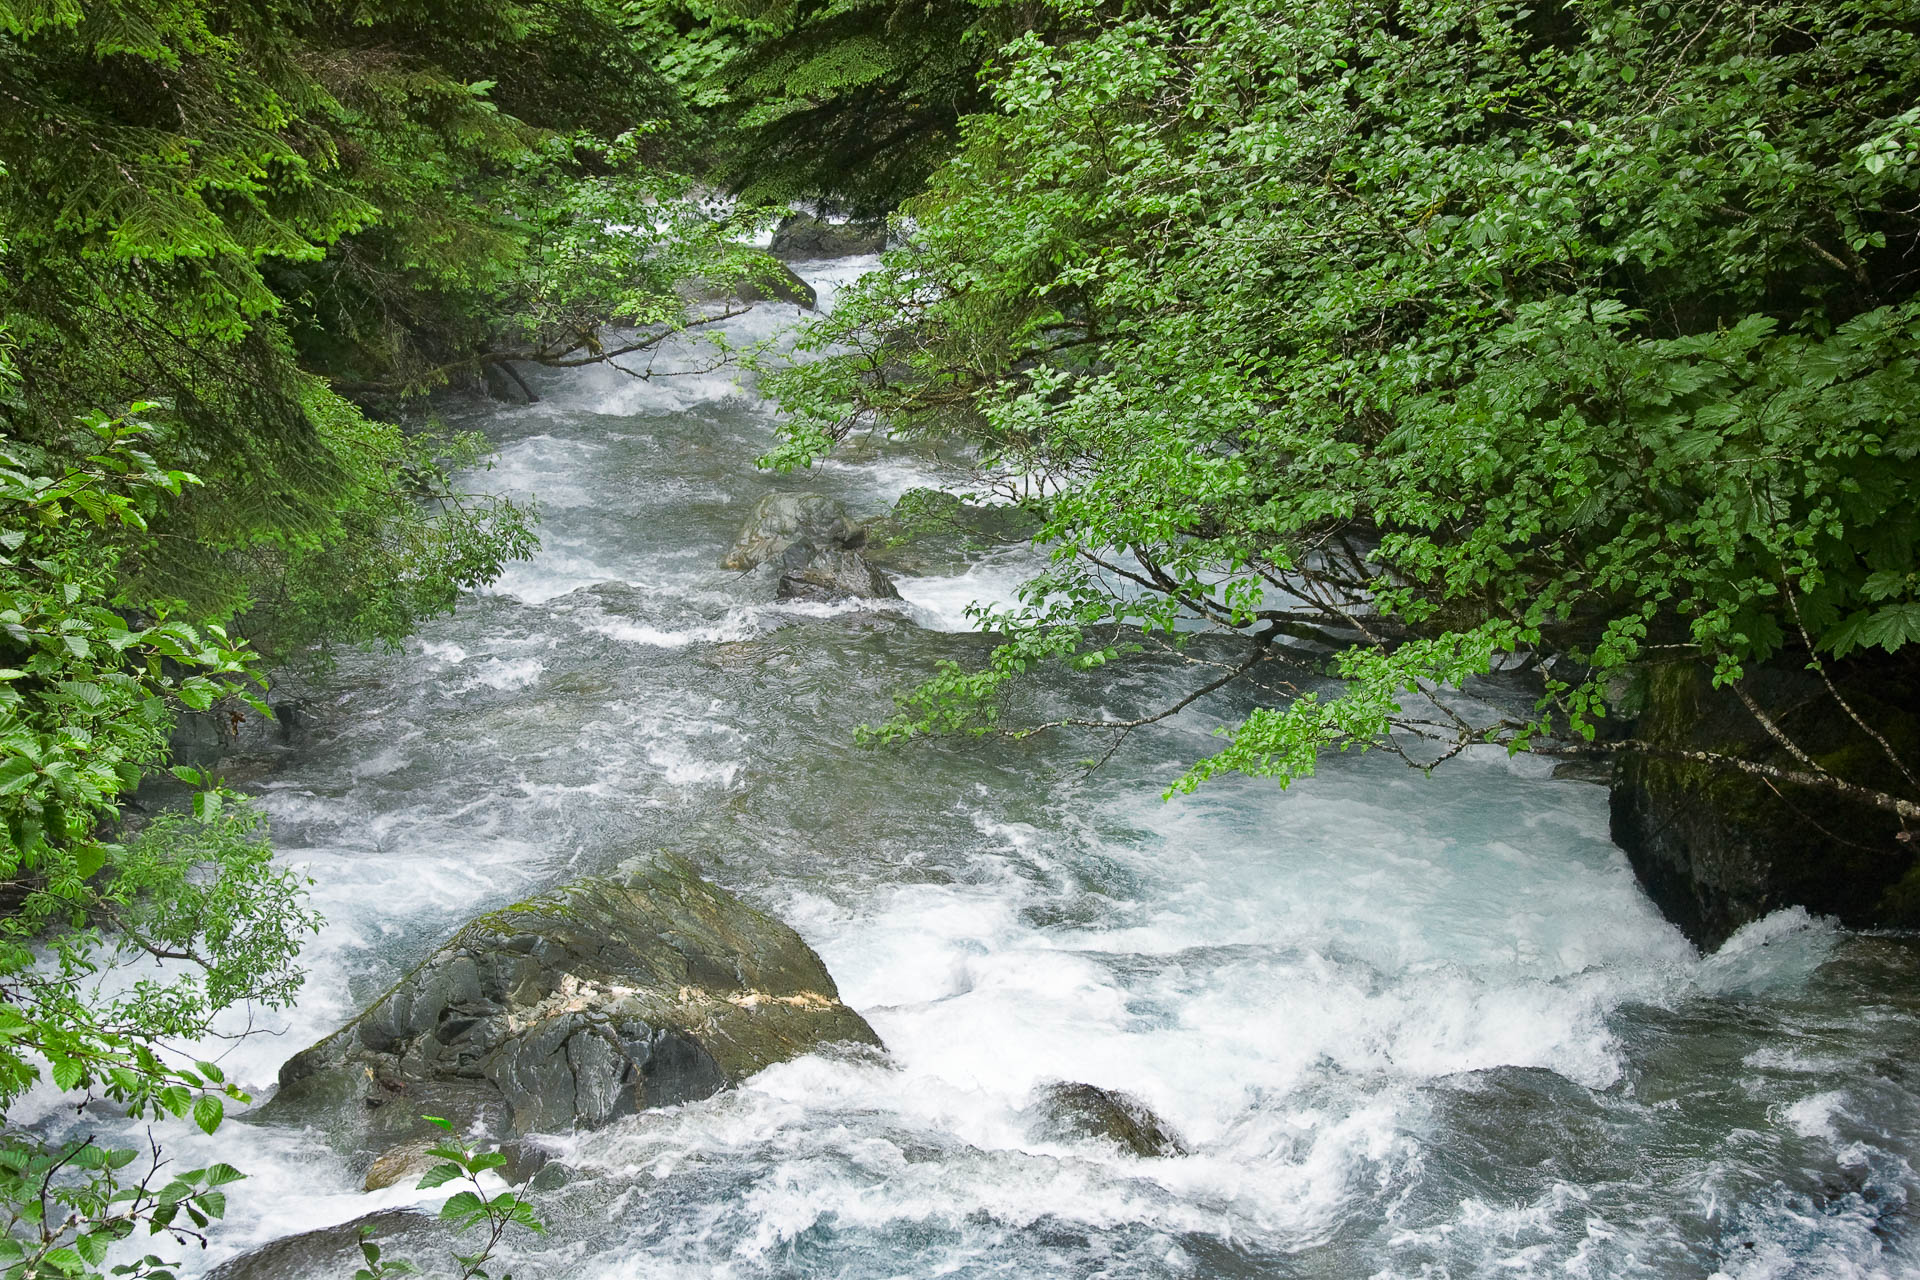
[1405,1027]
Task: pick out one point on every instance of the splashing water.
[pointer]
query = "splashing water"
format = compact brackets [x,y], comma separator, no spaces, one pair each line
[1403,1027]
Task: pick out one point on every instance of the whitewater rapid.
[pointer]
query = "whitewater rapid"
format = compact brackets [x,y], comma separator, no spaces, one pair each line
[1404,1026]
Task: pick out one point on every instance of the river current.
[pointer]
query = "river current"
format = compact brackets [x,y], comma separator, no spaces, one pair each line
[1404,1026]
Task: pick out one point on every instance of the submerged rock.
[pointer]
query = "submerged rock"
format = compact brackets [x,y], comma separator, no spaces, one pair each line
[646,988]
[815,544]
[1088,1111]
[800,236]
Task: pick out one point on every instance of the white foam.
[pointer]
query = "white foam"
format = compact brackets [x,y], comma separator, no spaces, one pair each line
[1813,1116]
[941,603]
[513,673]
[1289,979]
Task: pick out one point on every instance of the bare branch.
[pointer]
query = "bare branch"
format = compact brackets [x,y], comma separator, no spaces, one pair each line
[1869,796]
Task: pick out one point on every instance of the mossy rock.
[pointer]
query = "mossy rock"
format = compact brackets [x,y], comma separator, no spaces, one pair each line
[650,987]
[801,236]
[1717,849]
[930,531]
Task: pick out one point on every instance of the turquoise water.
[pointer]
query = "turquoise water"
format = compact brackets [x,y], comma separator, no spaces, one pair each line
[1405,1027]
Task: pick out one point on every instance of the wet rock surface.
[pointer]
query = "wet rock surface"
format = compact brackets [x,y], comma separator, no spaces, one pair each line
[815,547]
[933,532]
[646,988]
[779,520]
[1716,849]
[809,572]
[1074,1110]
[333,1253]
[802,236]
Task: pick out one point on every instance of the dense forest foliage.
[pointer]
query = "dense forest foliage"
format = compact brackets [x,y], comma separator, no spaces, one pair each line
[1431,339]
[238,243]
[1401,344]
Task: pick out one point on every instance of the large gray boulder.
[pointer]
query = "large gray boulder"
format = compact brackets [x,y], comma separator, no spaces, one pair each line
[801,236]
[779,520]
[333,1253]
[814,543]
[808,572]
[646,988]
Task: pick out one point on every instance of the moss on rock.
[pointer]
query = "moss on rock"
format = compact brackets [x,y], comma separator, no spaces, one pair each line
[1716,848]
[649,987]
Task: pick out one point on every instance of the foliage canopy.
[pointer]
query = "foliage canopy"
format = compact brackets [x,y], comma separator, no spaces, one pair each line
[1449,335]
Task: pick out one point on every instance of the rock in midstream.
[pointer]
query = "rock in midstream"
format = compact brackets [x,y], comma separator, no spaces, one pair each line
[801,236]
[935,533]
[333,1253]
[814,544]
[809,572]
[1074,1110]
[645,988]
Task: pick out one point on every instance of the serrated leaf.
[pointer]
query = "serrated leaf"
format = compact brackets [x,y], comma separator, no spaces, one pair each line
[219,1175]
[461,1204]
[16,772]
[438,1176]
[66,1261]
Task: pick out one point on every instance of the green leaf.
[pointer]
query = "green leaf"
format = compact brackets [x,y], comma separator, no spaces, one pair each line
[439,1175]
[66,1261]
[219,1175]
[208,1112]
[198,693]
[462,1204]
[16,772]
[1892,627]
